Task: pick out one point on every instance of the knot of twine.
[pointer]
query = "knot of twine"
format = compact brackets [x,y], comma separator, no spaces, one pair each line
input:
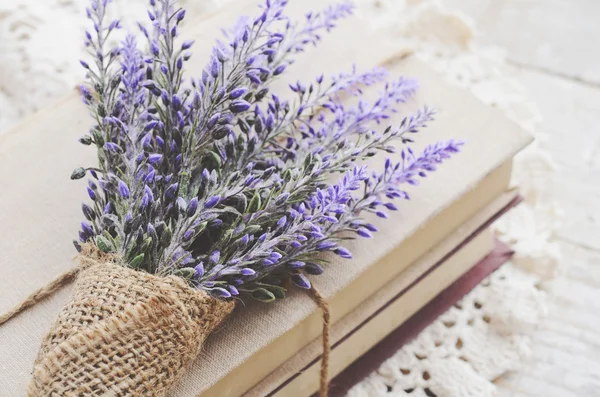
[90,255]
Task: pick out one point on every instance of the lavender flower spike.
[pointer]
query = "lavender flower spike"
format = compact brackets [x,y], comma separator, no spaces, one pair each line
[214,177]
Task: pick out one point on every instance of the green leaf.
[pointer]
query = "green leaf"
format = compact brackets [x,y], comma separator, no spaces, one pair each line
[98,138]
[308,161]
[101,110]
[165,239]
[186,273]
[226,237]
[131,251]
[253,229]
[184,183]
[137,261]
[104,244]
[279,292]
[216,158]
[147,244]
[263,295]
[201,227]
[231,210]
[255,203]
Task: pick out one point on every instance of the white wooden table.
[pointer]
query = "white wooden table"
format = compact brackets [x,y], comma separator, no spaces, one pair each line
[554,46]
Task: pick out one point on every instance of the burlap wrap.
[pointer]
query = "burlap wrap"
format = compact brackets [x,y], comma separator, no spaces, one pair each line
[124,333]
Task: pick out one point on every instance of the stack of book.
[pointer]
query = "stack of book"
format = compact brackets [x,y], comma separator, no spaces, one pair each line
[422,260]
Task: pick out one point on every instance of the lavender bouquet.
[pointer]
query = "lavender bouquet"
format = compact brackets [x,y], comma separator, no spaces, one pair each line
[212,189]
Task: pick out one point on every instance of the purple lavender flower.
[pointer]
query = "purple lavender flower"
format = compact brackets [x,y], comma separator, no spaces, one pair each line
[238,92]
[123,189]
[199,270]
[343,252]
[192,207]
[171,191]
[282,221]
[248,272]
[301,281]
[87,229]
[239,106]
[187,236]
[88,212]
[112,147]
[155,158]
[91,193]
[226,174]
[363,232]
[212,202]
[326,245]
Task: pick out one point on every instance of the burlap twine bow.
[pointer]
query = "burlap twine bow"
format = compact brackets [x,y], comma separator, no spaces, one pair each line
[128,333]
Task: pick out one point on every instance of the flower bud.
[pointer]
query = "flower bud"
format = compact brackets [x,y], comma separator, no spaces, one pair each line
[123,189]
[171,191]
[221,56]
[187,44]
[282,221]
[91,193]
[279,69]
[187,236]
[87,229]
[192,207]
[78,173]
[212,202]
[220,292]
[222,132]
[199,269]
[314,269]
[248,272]
[88,212]
[214,257]
[154,158]
[239,106]
[301,281]
[238,92]
[343,252]
[363,232]
[85,140]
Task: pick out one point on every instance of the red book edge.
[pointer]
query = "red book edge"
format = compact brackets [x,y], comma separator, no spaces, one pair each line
[410,329]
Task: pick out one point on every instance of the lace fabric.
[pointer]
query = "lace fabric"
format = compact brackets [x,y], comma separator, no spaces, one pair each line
[40,44]
[485,334]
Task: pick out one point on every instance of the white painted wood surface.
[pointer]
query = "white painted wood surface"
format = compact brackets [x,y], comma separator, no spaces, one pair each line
[554,46]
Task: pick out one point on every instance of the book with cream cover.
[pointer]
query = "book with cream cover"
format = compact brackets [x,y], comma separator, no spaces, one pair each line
[35,246]
[402,297]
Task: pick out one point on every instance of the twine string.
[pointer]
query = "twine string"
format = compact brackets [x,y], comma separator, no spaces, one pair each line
[40,294]
[90,257]
[324,375]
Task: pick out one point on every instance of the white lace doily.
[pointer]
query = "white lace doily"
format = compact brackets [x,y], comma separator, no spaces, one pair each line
[488,333]
[41,42]
[476,341]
